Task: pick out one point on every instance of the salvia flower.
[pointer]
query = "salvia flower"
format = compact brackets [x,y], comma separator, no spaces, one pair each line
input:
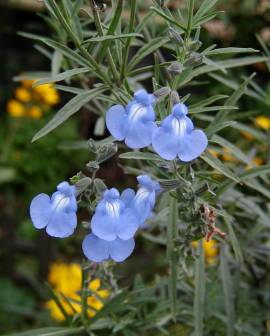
[144,200]
[112,219]
[134,123]
[176,137]
[116,220]
[57,213]
[99,250]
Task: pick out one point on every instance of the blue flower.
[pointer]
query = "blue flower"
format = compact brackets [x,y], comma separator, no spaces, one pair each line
[112,219]
[98,250]
[56,213]
[134,123]
[176,137]
[145,198]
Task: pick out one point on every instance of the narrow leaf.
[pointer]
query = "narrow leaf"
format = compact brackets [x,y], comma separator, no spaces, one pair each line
[140,156]
[218,165]
[62,76]
[199,295]
[112,37]
[228,292]
[68,110]
[229,51]
[146,50]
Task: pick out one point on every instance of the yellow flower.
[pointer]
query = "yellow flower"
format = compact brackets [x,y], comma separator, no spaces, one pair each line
[15,108]
[34,112]
[23,94]
[27,83]
[263,122]
[210,248]
[268,325]
[48,94]
[227,155]
[247,135]
[257,161]
[213,152]
[67,279]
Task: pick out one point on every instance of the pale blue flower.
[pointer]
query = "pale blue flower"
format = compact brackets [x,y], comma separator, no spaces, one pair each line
[56,213]
[134,123]
[176,137]
[96,249]
[112,219]
[145,198]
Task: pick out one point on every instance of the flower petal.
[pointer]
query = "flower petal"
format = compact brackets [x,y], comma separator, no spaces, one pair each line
[115,120]
[95,249]
[139,134]
[62,224]
[121,249]
[40,211]
[103,226]
[127,225]
[127,197]
[165,144]
[193,146]
[144,210]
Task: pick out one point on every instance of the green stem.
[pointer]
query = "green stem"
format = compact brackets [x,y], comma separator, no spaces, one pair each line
[84,295]
[91,61]
[101,33]
[190,16]
[199,295]
[128,41]
[171,254]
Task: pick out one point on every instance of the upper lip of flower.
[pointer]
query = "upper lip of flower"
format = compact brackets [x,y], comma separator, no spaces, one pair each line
[113,208]
[136,112]
[179,126]
[60,202]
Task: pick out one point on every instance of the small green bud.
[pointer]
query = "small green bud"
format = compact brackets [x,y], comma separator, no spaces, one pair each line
[194,60]
[194,45]
[100,186]
[175,36]
[176,68]
[175,99]
[83,184]
[162,92]
[92,166]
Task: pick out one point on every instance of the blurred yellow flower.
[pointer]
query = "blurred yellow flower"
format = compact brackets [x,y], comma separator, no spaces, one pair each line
[48,94]
[34,112]
[66,279]
[263,122]
[257,161]
[15,108]
[247,135]
[227,156]
[213,152]
[210,248]
[23,94]
[27,83]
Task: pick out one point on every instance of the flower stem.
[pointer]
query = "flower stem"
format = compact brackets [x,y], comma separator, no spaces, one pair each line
[133,4]
[171,254]
[101,33]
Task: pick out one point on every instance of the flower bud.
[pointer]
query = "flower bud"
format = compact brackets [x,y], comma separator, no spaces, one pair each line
[194,60]
[162,92]
[175,36]
[176,68]
[92,166]
[194,45]
[175,99]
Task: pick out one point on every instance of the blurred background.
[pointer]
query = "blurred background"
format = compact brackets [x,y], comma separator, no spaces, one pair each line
[26,169]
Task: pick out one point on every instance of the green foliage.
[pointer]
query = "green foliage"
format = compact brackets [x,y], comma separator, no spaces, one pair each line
[163,49]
